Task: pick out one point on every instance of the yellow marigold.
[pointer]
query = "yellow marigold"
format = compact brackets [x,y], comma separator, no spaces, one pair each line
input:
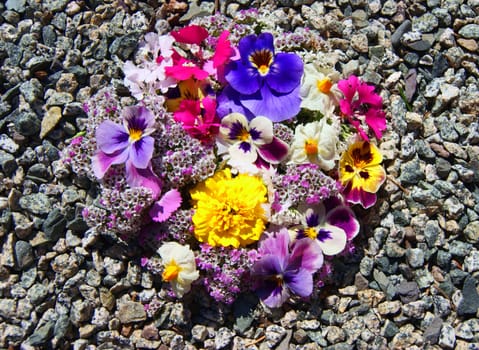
[229,211]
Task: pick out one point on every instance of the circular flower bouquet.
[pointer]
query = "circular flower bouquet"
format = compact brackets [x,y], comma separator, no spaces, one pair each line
[238,160]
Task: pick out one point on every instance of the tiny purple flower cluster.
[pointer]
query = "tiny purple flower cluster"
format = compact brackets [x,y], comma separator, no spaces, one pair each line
[226,271]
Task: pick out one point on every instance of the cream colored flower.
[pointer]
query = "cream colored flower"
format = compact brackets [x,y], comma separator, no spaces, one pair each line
[318,88]
[315,143]
[179,267]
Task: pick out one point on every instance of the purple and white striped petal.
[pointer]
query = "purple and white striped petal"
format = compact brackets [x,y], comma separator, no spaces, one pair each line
[233,126]
[261,130]
[139,118]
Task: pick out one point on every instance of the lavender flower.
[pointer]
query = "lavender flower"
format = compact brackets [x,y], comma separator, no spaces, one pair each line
[128,144]
[280,271]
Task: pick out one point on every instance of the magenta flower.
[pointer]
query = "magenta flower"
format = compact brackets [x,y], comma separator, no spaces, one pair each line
[262,83]
[284,269]
[361,102]
[199,118]
[128,144]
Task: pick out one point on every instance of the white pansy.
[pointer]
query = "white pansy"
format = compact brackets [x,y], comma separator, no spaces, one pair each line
[315,142]
[179,267]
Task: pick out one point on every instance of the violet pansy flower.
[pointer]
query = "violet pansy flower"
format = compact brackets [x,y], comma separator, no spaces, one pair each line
[284,269]
[128,144]
[262,82]
[251,142]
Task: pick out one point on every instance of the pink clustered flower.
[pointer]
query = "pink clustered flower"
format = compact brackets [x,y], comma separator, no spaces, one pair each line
[215,97]
[362,105]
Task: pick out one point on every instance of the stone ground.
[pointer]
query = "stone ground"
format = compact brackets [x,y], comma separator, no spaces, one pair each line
[413,280]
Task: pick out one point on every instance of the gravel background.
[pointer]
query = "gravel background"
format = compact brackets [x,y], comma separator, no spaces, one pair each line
[413,280]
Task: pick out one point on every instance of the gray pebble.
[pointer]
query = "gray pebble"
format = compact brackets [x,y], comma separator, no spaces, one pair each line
[469,303]
[223,338]
[130,312]
[470,31]
[447,339]
[37,203]
[37,293]
[23,254]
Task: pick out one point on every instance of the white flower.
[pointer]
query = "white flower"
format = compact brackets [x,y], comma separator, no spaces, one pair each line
[315,143]
[179,267]
[251,143]
[318,88]
[149,76]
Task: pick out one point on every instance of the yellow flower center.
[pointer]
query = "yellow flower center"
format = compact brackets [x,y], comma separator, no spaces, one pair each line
[243,135]
[171,271]
[310,232]
[229,210]
[324,85]
[262,60]
[311,147]
[135,134]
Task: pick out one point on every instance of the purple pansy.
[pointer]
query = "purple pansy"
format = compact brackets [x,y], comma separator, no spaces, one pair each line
[262,82]
[251,142]
[128,144]
[283,269]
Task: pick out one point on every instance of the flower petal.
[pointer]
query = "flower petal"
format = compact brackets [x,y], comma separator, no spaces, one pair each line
[168,203]
[275,151]
[232,126]
[143,178]
[101,161]
[223,50]
[300,282]
[245,79]
[277,244]
[111,137]
[335,241]
[244,152]
[285,73]
[306,255]
[343,217]
[192,34]
[229,101]
[261,130]
[274,106]
[141,152]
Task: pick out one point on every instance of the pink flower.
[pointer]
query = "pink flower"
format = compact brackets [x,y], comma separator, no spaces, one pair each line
[192,34]
[184,69]
[361,103]
[199,118]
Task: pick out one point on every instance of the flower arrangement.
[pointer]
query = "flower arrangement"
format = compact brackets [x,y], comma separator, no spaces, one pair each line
[239,158]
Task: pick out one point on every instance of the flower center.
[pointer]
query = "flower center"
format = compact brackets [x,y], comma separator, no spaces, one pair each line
[262,60]
[243,135]
[135,134]
[324,85]
[311,147]
[171,271]
[310,232]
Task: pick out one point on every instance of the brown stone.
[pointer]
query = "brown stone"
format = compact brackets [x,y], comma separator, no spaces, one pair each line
[468,44]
